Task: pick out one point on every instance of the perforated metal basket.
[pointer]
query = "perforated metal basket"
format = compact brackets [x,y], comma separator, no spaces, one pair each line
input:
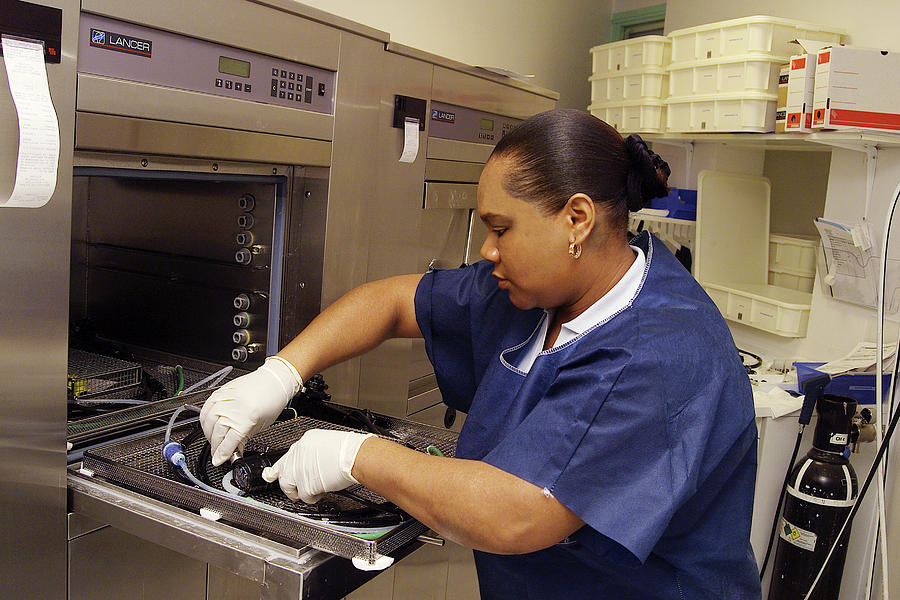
[138,464]
[93,375]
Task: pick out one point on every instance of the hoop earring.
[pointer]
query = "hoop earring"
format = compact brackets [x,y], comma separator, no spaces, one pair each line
[574,250]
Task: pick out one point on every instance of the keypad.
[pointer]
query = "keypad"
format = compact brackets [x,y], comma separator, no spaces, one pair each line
[294,86]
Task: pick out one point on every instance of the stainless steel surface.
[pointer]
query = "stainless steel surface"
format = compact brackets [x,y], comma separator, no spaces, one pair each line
[176,61]
[314,14]
[454,170]
[502,98]
[354,179]
[453,150]
[79,525]
[395,225]
[471,70]
[109,564]
[161,139]
[439,194]
[155,258]
[33,321]
[238,23]
[278,568]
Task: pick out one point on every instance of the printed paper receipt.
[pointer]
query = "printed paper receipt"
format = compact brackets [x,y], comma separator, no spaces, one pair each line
[38,126]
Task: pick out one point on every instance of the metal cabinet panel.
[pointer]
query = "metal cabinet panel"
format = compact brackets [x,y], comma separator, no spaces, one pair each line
[34,244]
[111,564]
[462,89]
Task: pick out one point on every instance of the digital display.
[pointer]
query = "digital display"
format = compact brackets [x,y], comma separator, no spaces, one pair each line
[487,124]
[233,66]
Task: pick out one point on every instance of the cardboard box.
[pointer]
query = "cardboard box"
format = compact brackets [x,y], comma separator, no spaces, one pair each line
[857,88]
[781,106]
[801,85]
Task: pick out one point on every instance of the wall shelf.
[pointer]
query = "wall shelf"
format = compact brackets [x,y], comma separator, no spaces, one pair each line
[814,142]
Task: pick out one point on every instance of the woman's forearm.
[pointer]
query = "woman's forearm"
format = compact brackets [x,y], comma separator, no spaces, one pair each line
[470,502]
[357,322]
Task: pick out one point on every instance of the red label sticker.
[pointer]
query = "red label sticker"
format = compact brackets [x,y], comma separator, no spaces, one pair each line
[798,63]
[824,57]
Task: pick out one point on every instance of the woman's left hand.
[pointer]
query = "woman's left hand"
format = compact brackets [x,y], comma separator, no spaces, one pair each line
[320,461]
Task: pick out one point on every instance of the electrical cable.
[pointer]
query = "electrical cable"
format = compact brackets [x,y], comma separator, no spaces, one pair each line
[174,454]
[755,357]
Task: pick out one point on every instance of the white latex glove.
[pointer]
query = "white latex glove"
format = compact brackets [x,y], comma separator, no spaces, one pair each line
[320,461]
[245,406]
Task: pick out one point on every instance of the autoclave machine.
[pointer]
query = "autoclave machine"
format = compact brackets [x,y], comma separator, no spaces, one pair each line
[220,198]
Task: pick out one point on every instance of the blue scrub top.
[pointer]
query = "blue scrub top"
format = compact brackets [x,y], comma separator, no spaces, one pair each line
[643,426]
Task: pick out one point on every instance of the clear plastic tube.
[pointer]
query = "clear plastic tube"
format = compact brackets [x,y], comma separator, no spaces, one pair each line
[215,378]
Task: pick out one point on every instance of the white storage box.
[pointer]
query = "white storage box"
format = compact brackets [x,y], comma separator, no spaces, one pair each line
[793,252]
[801,83]
[722,113]
[857,88]
[732,255]
[651,82]
[794,280]
[762,33]
[636,116]
[778,310]
[629,55]
[745,73]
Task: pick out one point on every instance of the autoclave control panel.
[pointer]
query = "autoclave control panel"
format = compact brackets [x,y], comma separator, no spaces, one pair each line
[132,52]
[468,125]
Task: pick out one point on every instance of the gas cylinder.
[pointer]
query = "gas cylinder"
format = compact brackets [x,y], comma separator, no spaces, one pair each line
[820,494]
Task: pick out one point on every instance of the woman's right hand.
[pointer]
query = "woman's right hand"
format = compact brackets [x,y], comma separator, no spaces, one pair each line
[245,406]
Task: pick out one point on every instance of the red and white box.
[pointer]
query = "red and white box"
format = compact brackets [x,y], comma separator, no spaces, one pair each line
[857,88]
[801,86]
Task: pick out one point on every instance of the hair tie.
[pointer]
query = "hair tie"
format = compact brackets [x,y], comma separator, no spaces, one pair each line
[647,174]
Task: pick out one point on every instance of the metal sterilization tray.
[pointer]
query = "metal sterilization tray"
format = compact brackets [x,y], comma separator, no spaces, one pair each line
[138,464]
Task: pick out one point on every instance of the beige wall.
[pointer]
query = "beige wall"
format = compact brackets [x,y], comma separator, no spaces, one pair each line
[550,40]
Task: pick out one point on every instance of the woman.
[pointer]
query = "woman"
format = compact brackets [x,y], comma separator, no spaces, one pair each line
[609,449]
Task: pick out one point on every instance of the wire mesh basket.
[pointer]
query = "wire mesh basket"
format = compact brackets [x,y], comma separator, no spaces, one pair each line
[138,464]
[93,375]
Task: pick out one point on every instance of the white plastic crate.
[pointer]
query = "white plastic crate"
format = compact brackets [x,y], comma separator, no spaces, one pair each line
[792,280]
[796,253]
[761,33]
[731,257]
[652,82]
[636,116]
[778,310]
[745,73]
[629,55]
[722,113]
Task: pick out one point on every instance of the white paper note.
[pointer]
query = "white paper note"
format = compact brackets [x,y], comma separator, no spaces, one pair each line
[410,140]
[38,157]
[852,272]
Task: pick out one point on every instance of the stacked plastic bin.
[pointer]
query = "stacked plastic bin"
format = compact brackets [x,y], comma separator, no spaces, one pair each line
[723,77]
[630,82]
[792,261]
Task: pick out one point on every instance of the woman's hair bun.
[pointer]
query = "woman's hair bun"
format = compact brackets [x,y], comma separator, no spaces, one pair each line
[648,174]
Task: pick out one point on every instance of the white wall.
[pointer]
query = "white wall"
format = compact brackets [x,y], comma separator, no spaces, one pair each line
[550,40]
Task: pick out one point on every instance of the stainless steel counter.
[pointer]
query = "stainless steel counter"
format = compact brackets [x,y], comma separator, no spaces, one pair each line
[281,572]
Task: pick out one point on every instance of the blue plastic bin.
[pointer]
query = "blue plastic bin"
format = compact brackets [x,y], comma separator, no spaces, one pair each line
[859,387]
[681,204]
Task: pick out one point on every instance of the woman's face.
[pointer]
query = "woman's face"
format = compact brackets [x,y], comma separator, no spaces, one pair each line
[528,248]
